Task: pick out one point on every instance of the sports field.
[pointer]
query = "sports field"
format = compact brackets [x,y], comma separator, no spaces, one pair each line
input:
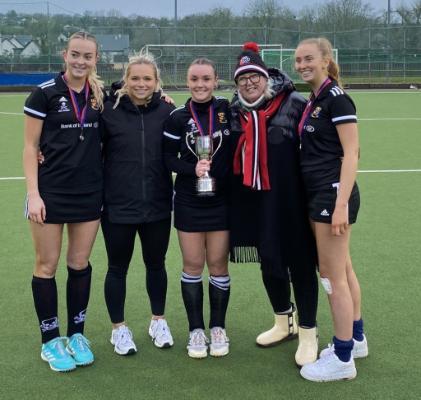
[386,251]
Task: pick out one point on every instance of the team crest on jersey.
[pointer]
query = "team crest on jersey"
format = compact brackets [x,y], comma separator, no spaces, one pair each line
[94,104]
[245,60]
[63,105]
[316,112]
[222,118]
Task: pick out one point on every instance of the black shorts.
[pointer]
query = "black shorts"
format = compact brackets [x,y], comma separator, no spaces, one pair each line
[64,208]
[200,219]
[321,204]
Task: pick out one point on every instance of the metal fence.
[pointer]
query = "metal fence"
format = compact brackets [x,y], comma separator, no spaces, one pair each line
[380,54]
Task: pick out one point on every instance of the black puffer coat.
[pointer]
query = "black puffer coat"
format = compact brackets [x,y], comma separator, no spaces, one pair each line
[137,185]
[272,226]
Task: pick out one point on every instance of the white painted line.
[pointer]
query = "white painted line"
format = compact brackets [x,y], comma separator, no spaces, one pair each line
[387,171]
[391,119]
[12,178]
[10,113]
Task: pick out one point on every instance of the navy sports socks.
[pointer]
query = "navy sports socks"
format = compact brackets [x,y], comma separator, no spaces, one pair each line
[219,294]
[78,291]
[44,291]
[343,348]
[358,330]
[192,291]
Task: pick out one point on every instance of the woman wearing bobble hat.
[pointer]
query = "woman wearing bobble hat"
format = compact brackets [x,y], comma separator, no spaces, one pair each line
[269,221]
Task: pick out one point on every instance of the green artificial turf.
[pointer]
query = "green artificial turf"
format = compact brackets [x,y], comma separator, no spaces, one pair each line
[386,255]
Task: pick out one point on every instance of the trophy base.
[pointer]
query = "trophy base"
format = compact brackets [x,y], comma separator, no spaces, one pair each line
[205,186]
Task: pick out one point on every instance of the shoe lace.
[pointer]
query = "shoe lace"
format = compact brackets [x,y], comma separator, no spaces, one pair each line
[198,338]
[125,336]
[58,346]
[81,342]
[161,330]
[218,336]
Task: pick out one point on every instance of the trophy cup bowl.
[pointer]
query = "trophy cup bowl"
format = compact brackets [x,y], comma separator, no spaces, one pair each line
[205,185]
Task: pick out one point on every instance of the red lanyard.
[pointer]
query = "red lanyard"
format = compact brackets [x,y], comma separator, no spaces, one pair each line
[80,114]
[309,105]
[196,119]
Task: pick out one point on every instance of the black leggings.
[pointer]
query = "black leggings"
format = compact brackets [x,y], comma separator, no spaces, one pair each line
[306,289]
[119,242]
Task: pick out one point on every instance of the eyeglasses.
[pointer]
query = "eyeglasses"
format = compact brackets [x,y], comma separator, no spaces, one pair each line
[254,78]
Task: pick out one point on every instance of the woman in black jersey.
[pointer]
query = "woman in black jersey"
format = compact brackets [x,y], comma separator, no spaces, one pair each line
[61,120]
[137,196]
[269,223]
[201,221]
[329,159]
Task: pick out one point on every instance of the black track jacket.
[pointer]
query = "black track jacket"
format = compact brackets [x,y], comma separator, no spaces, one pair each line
[137,185]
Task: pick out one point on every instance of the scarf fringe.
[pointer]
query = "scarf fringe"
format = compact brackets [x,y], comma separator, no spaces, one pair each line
[244,254]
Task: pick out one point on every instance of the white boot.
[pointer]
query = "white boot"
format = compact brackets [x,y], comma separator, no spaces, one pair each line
[307,346]
[285,328]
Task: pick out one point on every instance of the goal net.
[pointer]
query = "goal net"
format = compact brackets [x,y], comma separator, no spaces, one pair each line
[174,60]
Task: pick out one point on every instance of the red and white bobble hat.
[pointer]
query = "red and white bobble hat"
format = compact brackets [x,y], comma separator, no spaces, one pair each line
[249,60]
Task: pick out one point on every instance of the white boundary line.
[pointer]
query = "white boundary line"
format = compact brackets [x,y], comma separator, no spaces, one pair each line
[359,119]
[361,171]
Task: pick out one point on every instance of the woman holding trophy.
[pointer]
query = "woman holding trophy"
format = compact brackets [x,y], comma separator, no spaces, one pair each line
[196,148]
[268,219]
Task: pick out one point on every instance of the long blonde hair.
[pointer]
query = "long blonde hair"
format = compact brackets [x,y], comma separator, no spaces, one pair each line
[142,58]
[95,83]
[325,48]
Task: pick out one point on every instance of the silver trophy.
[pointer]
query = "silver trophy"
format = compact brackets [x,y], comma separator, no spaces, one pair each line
[205,185]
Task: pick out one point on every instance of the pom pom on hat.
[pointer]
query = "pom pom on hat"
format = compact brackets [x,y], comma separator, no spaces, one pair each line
[252,46]
[249,60]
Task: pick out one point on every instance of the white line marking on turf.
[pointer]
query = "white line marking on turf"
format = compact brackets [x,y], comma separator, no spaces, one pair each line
[391,119]
[10,113]
[361,171]
[387,171]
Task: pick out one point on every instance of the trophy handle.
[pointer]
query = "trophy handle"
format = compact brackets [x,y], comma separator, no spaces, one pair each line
[219,144]
[188,136]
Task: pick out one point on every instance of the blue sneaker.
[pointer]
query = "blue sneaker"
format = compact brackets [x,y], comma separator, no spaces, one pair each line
[55,354]
[79,348]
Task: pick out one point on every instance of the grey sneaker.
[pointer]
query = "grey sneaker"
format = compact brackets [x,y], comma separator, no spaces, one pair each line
[122,339]
[160,333]
[198,344]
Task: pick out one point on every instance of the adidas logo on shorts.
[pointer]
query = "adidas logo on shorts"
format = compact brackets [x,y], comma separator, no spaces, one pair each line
[325,213]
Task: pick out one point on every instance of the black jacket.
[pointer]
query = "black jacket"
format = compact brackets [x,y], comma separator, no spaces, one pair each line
[137,185]
[274,222]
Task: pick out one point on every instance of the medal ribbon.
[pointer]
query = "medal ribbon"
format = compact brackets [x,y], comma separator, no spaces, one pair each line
[80,114]
[196,119]
[309,104]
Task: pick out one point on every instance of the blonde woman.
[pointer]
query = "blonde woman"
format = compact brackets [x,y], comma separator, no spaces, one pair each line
[62,120]
[137,197]
[329,158]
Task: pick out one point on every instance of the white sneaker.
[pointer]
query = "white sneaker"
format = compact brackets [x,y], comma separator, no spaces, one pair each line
[360,349]
[122,339]
[329,368]
[198,344]
[160,333]
[219,345]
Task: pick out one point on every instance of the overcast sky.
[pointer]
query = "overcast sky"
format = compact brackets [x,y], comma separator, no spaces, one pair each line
[165,8]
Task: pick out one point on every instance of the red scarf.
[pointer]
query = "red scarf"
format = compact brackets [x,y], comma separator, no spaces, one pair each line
[252,146]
